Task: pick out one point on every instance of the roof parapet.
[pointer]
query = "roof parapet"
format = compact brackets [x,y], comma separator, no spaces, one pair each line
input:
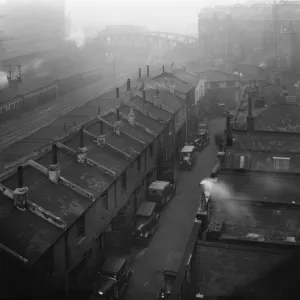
[36,209]
[13,253]
[89,161]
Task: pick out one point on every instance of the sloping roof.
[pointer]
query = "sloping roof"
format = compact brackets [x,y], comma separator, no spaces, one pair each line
[212,75]
[155,111]
[181,86]
[29,234]
[186,76]
[169,100]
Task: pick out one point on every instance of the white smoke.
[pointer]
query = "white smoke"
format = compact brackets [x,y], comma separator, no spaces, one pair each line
[76,36]
[3,79]
[224,197]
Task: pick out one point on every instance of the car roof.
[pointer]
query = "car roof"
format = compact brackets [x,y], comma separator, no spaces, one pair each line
[187,149]
[113,264]
[159,185]
[173,262]
[146,209]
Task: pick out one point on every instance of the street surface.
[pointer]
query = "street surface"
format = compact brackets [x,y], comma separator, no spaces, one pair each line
[174,227]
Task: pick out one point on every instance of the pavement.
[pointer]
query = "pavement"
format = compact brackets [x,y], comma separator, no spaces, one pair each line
[174,227]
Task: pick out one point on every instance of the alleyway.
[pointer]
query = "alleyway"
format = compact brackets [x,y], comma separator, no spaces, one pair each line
[174,226]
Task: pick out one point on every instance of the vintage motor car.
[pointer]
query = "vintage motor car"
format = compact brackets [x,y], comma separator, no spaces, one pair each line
[161,192]
[187,157]
[169,274]
[112,280]
[146,222]
[202,137]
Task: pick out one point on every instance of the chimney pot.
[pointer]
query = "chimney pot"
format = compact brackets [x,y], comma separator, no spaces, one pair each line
[20,177]
[148,71]
[163,69]
[118,93]
[144,95]
[128,84]
[54,155]
[140,73]
[81,143]
[118,115]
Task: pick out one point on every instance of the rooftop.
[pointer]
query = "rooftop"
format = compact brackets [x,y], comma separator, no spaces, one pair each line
[248,222]
[215,75]
[251,186]
[186,76]
[225,270]
[31,233]
[169,78]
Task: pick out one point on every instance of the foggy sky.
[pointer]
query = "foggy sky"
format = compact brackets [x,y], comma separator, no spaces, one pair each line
[164,15]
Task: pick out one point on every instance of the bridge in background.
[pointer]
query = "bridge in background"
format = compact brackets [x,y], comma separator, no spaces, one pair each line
[137,37]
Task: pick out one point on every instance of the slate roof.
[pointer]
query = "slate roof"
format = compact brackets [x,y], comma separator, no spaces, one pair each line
[215,75]
[181,86]
[186,76]
[28,234]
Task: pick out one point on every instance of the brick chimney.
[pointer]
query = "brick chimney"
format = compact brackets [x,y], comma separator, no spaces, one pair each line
[117,93]
[148,71]
[82,150]
[54,171]
[101,139]
[229,132]
[250,118]
[117,126]
[156,98]
[128,85]
[163,69]
[145,110]
[140,73]
[20,193]
[131,117]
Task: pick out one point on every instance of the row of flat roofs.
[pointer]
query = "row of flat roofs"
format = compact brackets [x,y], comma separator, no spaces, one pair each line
[29,235]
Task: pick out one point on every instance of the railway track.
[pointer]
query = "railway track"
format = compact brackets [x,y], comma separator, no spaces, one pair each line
[16,130]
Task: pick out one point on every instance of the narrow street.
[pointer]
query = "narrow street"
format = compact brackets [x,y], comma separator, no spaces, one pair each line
[174,226]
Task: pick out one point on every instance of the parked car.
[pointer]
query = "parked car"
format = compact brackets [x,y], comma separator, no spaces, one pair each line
[161,192]
[169,275]
[202,137]
[146,222]
[112,280]
[187,157]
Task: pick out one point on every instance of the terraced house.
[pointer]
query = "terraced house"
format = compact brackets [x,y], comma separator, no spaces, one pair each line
[62,211]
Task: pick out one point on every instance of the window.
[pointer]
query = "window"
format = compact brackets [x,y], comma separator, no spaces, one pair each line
[242,161]
[80,228]
[104,201]
[214,85]
[138,164]
[281,163]
[230,83]
[123,180]
[151,150]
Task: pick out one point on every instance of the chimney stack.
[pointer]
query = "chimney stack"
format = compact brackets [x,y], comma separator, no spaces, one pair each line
[54,155]
[20,193]
[54,171]
[118,114]
[163,69]
[128,85]
[229,132]
[101,140]
[144,95]
[101,128]
[148,71]
[145,111]
[81,142]
[250,118]
[140,73]
[20,177]
[117,93]
[81,151]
